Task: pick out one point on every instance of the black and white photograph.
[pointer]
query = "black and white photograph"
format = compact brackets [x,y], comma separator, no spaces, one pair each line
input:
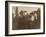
[24,18]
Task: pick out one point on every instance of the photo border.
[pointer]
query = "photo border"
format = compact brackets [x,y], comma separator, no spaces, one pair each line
[6,18]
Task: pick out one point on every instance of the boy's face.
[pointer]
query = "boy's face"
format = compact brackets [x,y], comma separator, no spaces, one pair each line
[25,14]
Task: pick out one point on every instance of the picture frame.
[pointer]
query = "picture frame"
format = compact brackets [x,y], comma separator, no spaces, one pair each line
[11,28]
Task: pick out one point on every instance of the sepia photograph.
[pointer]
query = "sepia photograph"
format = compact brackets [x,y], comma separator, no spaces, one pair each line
[24,18]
